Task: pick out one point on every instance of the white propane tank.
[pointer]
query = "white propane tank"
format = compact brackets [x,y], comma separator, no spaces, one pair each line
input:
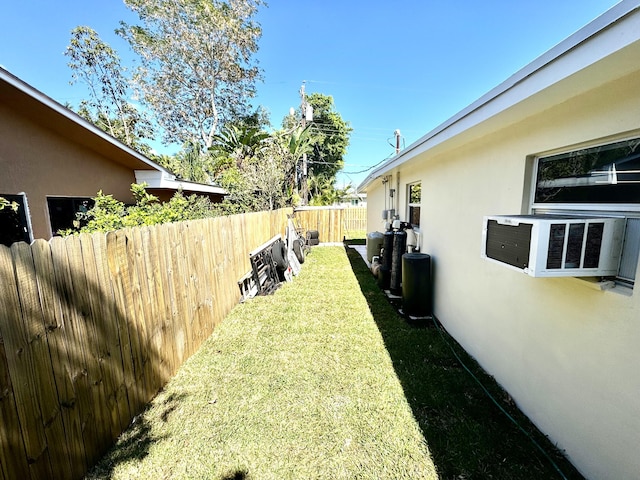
[412,240]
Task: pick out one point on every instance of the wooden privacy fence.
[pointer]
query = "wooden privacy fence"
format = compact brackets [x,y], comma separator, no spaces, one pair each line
[355,219]
[332,223]
[92,326]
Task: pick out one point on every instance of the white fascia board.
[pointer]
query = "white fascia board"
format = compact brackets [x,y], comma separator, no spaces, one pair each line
[163,179]
[196,187]
[614,30]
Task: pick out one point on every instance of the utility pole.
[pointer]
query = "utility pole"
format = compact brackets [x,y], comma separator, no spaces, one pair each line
[307,114]
[397,134]
[304,191]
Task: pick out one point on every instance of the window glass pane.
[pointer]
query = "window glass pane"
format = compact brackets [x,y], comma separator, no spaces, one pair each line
[414,195]
[13,223]
[415,192]
[414,215]
[63,212]
[605,174]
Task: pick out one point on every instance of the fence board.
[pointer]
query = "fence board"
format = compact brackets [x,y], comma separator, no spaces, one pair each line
[98,331]
[142,319]
[332,223]
[66,457]
[13,456]
[76,365]
[113,362]
[136,320]
[95,420]
[323,220]
[130,345]
[187,242]
[155,273]
[18,333]
[199,261]
[71,452]
[181,295]
[354,219]
[167,304]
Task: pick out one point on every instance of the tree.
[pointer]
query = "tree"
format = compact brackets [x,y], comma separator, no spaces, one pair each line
[97,65]
[326,145]
[238,143]
[197,62]
[250,164]
[267,175]
[330,137]
[191,163]
[324,192]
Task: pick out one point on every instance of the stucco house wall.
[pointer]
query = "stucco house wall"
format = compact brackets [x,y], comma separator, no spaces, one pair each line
[565,351]
[47,151]
[41,163]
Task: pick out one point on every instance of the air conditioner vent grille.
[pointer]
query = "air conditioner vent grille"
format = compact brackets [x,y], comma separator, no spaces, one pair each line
[594,245]
[509,245]
[556,245]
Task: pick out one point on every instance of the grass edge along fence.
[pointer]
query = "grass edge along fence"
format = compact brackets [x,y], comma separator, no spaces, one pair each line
[93,326]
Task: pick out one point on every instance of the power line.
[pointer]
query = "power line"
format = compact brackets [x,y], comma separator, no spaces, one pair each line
[371,167]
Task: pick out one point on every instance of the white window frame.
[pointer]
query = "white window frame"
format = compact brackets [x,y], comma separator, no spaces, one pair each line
[629,211]
[411,205]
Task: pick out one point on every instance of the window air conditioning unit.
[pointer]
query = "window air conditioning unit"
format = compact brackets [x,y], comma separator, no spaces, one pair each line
[554,246]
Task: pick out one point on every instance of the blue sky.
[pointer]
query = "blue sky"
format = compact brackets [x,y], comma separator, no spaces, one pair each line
[388,65]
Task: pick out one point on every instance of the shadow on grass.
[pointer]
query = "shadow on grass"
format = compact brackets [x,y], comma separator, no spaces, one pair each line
[238,475]
[467,433]
[134,444]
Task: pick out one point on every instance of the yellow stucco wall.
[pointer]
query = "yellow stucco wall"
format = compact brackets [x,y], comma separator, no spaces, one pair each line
[567,353]
[41,163]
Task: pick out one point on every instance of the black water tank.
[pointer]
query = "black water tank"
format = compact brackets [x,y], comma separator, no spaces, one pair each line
[416,285]
[384,277]
[387,250]
[399,247]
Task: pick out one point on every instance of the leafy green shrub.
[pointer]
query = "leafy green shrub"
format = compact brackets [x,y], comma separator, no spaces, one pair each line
[4,203]
[109,214]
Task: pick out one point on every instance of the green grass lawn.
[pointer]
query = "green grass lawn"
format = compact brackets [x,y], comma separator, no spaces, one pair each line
[355,234]
[323,380]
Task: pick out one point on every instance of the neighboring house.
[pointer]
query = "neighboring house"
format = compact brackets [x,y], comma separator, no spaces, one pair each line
[353,199]
[561,136]
[52,162]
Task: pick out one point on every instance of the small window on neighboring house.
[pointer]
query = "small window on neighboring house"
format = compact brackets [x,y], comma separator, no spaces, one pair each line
[413,195]
[598,180]
[14,226]
[63,212]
